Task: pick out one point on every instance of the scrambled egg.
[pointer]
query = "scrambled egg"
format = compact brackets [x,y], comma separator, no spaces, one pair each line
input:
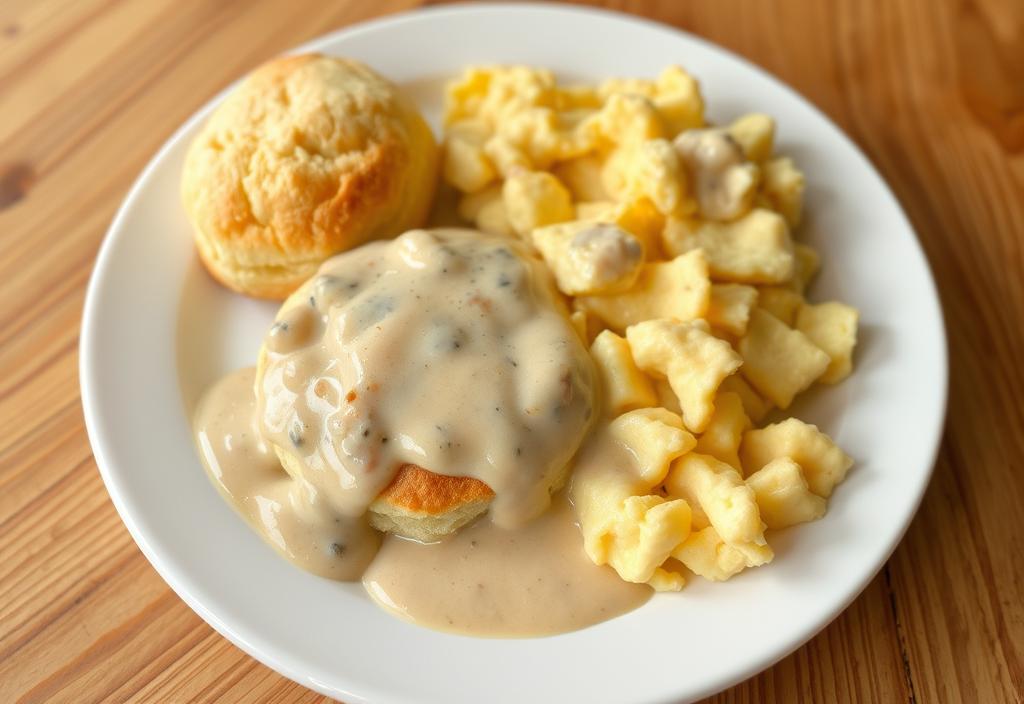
[672,241]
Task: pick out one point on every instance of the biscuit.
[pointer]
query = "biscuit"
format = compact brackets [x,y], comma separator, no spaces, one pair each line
[426,506]
[310,155]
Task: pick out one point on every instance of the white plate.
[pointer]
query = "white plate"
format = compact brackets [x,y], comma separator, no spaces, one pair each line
[156,330]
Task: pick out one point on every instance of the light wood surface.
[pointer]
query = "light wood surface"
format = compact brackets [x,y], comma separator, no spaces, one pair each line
[89,89]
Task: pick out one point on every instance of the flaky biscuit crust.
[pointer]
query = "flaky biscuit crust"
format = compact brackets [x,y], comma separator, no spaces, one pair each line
[418,490]
[309,156]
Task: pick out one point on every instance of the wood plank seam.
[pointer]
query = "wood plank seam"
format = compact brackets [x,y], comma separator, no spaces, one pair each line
[901,637]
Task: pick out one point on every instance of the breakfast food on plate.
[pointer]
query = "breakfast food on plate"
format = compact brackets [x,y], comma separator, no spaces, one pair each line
[425,413]
[674,241]
[308,156]
[389,347]
[410,385]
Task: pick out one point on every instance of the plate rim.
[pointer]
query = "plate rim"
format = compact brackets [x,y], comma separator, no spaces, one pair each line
[97,432]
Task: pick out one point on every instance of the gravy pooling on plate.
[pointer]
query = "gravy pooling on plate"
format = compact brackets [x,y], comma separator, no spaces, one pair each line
[445,349]
[489,581]
[290,515]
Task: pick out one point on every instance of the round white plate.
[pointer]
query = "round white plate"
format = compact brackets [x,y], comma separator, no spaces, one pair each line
[157,330]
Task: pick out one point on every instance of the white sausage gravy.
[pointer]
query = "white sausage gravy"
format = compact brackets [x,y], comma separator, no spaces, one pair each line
[449,350]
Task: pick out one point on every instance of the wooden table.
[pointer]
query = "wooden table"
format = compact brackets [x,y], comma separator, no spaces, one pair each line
[932,90]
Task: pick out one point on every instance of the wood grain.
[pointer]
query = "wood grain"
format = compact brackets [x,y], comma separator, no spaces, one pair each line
[932,90]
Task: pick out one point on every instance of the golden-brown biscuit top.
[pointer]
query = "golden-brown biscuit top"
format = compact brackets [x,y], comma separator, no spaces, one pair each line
[418,490]
[308,156]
